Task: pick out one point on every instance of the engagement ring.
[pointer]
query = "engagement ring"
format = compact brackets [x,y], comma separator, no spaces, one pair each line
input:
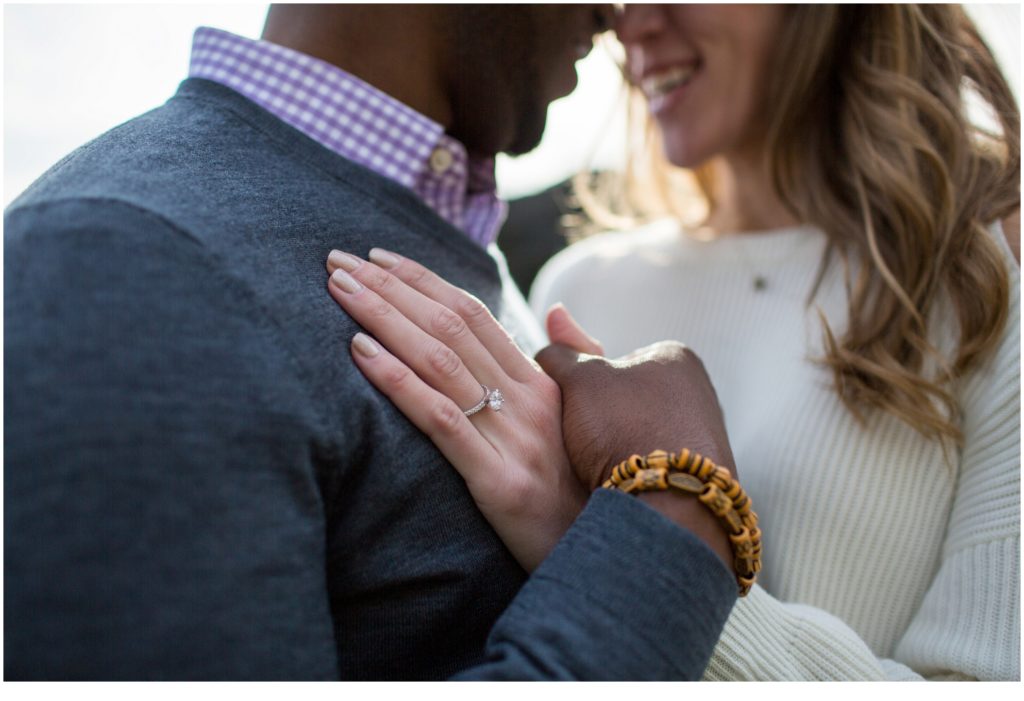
[492,398]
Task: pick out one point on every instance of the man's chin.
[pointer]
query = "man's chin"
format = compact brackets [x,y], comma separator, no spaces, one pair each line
[527,138]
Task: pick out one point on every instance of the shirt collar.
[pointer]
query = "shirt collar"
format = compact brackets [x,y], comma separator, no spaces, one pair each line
[359,122]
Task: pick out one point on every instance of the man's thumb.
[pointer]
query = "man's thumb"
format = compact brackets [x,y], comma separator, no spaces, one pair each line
[564,330]
[557,361]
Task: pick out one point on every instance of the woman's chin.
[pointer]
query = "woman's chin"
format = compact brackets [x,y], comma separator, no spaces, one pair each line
[681,149]
[684,157]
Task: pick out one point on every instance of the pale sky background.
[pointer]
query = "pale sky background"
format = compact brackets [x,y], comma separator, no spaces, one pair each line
[72,72]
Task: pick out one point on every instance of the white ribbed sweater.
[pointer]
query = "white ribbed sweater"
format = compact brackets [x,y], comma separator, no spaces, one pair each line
[882,561]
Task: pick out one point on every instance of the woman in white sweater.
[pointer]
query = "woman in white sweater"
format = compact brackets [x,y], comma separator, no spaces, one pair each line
[874,412]
[850,288]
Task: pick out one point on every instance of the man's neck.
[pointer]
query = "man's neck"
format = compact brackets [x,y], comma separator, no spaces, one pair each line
[389,47]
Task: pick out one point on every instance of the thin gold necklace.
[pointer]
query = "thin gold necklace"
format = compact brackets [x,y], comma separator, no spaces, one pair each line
[758,280]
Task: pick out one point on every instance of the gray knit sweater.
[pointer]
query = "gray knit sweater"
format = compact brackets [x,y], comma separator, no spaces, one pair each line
[198,482]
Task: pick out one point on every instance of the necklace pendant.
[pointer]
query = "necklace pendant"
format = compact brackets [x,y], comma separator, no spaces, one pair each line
[760,283]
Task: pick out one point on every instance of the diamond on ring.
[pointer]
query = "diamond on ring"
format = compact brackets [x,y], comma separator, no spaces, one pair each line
[493,398]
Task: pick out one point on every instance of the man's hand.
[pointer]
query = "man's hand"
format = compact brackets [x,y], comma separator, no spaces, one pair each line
[658,397]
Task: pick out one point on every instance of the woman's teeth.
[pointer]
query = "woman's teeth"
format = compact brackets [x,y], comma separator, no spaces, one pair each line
[668,80]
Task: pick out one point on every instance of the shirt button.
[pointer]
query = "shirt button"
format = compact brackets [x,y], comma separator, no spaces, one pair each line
[440,160]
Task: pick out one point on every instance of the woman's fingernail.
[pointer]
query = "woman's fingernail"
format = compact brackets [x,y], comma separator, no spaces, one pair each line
[344,260]
[345,281]
[383,258]
[364,346]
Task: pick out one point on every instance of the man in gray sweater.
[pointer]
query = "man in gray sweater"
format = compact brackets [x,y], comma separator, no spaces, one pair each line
[198,482]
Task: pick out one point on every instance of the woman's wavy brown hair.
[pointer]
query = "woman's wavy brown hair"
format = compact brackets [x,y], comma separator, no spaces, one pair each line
[869,139]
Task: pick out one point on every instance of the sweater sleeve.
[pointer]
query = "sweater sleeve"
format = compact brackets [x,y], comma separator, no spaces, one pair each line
[162,514]
[605,604]
[968,624]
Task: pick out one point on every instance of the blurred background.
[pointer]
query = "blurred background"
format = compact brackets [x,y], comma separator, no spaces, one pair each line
[72,72]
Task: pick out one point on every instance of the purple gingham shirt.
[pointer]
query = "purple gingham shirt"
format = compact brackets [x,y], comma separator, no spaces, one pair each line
[359,122]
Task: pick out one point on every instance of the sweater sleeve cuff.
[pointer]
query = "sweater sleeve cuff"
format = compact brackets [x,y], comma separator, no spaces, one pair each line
[626,594]
[766,640]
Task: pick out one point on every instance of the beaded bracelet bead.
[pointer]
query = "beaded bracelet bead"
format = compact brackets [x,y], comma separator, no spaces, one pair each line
[713,485]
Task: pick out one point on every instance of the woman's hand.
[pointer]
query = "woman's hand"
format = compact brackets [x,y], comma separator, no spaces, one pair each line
[436,348]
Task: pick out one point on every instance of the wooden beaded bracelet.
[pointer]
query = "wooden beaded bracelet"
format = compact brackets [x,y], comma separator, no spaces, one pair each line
[713,485]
